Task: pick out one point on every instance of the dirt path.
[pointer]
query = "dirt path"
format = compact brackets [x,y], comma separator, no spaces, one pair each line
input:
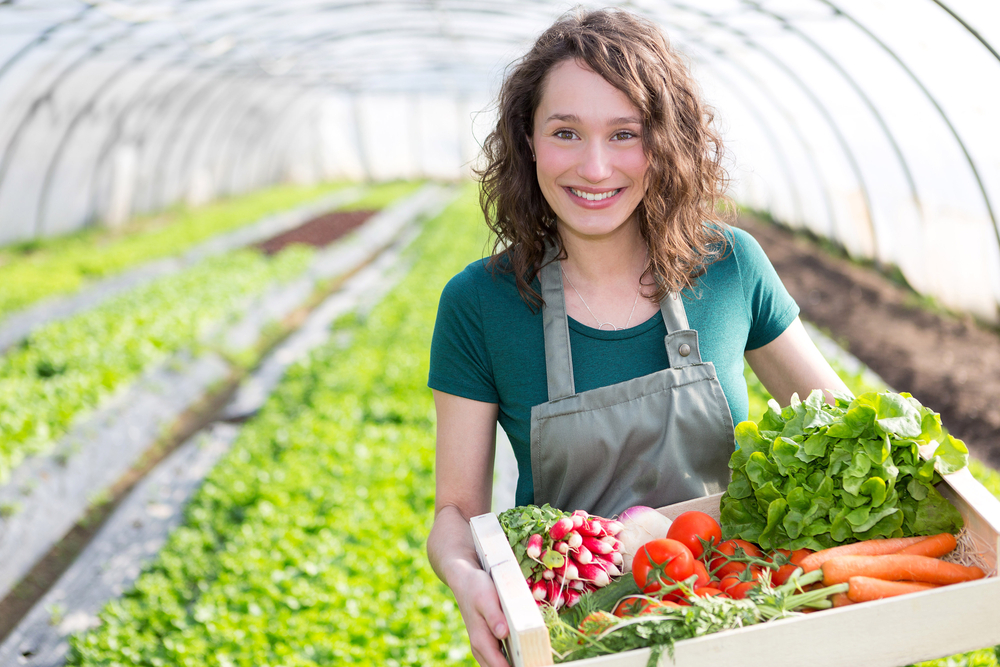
[950,365]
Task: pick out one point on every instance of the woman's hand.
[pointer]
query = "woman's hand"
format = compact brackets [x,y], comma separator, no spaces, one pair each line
[466,442]
[791,363]
[480,606]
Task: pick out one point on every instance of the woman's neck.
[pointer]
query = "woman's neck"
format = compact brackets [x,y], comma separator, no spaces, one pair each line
[603,280]
[606,260]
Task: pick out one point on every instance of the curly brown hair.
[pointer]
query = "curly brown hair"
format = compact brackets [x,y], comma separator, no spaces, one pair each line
[679,216]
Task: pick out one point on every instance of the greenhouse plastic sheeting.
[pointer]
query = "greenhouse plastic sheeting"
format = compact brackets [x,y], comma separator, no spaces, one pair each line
[869,122]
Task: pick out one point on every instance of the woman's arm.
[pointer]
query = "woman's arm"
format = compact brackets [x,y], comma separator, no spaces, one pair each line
[791,363]
[466,440]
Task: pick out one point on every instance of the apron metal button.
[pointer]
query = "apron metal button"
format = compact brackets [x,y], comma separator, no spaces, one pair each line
[684,349]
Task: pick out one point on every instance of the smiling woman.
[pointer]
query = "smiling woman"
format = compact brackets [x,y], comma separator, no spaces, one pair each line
[607,333]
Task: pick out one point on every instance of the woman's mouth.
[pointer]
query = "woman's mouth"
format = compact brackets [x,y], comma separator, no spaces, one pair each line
[594,196]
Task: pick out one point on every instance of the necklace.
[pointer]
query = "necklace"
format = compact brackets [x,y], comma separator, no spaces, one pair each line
[600,324]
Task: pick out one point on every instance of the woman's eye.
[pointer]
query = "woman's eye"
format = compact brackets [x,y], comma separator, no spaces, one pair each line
[563,134]
[624,135]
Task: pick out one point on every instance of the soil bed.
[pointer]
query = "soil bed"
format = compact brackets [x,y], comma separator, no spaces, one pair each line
[949,363]
[318,232]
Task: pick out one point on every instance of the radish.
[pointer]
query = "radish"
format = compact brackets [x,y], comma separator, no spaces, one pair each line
[583,555]
[595,575]
[597,546]
[548,575]
[572,597]
[560,528]
[590,528]
[562,547]
[539,591]
[574,539]
[534,548]
[612,527]
[570,571]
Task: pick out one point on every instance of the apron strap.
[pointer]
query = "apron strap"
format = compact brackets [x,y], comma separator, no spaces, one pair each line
[681,340]
[555,326]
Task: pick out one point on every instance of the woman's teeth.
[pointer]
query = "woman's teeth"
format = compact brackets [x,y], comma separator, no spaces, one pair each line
[590,196]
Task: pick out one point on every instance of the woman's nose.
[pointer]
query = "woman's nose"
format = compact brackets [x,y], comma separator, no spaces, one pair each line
[595,162]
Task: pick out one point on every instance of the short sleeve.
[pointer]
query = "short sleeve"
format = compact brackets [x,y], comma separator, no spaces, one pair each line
[459,361]
[772,308]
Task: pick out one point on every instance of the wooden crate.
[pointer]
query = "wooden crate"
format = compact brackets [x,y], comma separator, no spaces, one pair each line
[885,633]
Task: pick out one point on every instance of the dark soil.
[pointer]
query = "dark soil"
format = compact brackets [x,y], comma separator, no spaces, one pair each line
[317,232]
[949,363]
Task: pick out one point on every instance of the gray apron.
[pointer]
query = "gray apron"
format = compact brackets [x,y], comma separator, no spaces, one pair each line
[653,440]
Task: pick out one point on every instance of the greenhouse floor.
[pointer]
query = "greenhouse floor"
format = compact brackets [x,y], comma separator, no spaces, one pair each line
[945,361]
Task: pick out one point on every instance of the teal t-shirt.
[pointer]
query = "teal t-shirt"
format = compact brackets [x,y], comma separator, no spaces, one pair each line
[488,344]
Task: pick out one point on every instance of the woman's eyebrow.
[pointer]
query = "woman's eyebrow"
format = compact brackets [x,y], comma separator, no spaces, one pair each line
[573,118]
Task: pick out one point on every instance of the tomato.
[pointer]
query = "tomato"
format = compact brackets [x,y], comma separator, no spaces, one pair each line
[661,562]
[690,528]
[631,607]
[740,590]
[597,622]
[708,591]
[788,562]
[702,572]
[721,567]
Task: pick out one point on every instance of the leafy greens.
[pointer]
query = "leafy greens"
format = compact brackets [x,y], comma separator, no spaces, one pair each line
[813,475]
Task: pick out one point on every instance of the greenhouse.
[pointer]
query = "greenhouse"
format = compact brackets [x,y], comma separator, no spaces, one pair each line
[231,230]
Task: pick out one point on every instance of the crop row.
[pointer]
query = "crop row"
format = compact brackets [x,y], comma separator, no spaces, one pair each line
[305,545]
[35,270]
[68,367]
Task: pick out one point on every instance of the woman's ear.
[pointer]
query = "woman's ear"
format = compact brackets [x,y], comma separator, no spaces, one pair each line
[531,144]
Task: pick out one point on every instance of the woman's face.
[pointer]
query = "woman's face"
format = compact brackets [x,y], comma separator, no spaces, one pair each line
[588,148]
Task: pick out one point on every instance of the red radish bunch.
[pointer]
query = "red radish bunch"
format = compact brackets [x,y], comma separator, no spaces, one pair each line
[572,555]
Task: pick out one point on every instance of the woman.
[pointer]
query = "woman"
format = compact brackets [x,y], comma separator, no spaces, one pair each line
[601,184]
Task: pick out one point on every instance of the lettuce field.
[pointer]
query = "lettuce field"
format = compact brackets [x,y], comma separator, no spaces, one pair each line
[305,545]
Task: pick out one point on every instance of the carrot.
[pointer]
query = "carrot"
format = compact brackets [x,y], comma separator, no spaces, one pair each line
[894,567]
[863,589]
[864,548]
[841,599]
[934,546]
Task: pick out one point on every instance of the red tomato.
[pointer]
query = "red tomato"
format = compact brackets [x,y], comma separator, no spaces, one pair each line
[740,590]
[788,562]
[690,526]
[702,572]
[708,591]
[721,567]
[662,561]
[631,607]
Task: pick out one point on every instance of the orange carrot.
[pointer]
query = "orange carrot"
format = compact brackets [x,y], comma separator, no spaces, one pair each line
[934,546]
[841,599]
[863,589]
[864,548]
[894,567]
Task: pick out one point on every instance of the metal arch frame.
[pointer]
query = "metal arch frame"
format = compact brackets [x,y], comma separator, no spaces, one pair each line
[141,94]
[797,131]
[807,90]
[933,100]
[80,114]
[911,182]
[6,155]
[968,27]
[41,38]
[761,121]
[86,108]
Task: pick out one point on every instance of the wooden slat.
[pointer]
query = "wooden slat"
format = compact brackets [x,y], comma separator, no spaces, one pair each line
[528,644]
[529,638]
[491,542]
